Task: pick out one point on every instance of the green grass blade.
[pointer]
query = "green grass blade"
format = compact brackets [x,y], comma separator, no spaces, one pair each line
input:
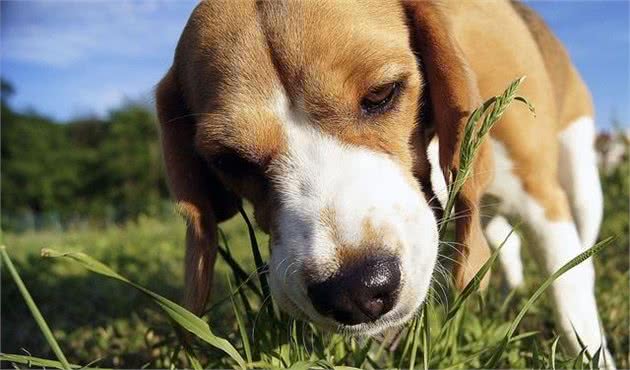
[315,364]
[260,265]
[467,359]
[473,285]
[240,321]
[361,356]
[426,338]
[194,362]
[37,315]
[409,337]
[506,302]
[554,347]
[473,137]
[303,365]
[524,335]
[182,316]
[580,342]
[31,361]
[568,266]
[536,363]
[416,338]
[595,360]
[578,362]
[238,271]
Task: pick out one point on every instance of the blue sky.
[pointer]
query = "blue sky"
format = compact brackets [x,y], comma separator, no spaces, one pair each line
[72,58]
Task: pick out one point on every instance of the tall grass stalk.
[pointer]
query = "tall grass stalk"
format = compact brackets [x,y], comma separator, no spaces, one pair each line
[180,315]
[566,267]
[37,315]
[473,136]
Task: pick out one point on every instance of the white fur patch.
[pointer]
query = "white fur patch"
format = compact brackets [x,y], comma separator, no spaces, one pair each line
[505,185]
[318,172]
[437,176]
[555,244]
[580,178]
[496,232]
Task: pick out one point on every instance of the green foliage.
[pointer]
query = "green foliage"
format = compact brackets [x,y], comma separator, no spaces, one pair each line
[101,170]
[132,169]
[95,318]
[238,315]
[37,315]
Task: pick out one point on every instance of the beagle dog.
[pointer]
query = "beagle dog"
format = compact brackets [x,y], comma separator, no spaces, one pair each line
[340,121]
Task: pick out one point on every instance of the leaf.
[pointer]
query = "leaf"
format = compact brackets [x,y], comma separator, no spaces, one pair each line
[554,347]
[31,361]
[240,320]
[595,360]
[524,335]
[426,338]
[416,337]
[473,137]
[194,362]
[473,285]
[260,265]
[468,359]
[238,271]
[182,316]
[305,365]
[37,315]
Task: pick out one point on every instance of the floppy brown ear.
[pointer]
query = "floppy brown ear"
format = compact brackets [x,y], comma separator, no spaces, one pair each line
[452,96]
[200,197]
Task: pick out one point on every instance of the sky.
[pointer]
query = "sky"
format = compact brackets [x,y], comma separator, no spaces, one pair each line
[68,59]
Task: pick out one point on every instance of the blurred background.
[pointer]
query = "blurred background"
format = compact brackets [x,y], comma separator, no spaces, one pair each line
[81,165]
[79,135]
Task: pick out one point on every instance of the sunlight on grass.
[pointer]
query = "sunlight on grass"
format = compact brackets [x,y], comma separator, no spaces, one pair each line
[262,337]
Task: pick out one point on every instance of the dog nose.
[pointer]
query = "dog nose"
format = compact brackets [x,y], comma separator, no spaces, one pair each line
[358,293]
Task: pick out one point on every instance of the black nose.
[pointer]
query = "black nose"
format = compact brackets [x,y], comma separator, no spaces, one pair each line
[358,293]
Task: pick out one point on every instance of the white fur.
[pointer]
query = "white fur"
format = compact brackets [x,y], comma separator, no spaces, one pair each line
[320,172]
[505,185]
[497,230]
[580,179]
[555,244]
[504,182]
[437,177]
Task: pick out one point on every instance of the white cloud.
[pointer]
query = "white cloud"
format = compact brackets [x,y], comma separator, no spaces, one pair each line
[66,33]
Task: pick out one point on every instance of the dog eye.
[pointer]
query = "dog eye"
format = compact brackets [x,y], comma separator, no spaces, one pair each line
[379,99]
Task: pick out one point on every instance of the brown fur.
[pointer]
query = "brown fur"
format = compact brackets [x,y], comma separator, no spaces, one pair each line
[531,141]
[197,192]
[571,94]
[453,96]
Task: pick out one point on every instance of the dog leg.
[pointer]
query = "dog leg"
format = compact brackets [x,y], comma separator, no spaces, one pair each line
[510,256]
[580,179]
[543,205]
[573,293]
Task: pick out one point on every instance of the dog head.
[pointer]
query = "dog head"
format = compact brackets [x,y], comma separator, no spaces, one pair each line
[311,110]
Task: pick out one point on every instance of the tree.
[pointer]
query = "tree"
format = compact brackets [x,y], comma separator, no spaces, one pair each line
[85,168]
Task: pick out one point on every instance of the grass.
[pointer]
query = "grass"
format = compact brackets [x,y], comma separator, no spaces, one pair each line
[117,324]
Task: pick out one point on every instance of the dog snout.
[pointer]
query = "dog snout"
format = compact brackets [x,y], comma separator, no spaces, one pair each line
[360,292]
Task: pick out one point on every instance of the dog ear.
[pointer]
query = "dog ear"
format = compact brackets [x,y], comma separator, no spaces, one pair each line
[451,93]
[200,197]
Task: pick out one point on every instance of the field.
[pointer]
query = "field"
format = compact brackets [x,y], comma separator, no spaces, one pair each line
[95,318]
[103,322]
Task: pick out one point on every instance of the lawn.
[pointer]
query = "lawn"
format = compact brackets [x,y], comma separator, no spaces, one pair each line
[105,323]
[95,318]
